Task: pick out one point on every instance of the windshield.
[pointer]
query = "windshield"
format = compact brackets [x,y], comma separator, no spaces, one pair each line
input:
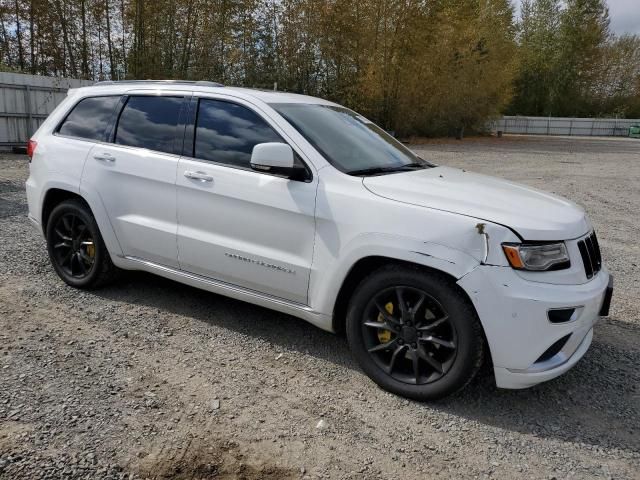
[350,142]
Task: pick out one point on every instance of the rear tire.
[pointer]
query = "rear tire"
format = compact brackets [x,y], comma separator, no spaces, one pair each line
[76,249]
[433,346]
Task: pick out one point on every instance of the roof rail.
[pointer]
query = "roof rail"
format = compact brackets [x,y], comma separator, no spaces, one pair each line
[202,83]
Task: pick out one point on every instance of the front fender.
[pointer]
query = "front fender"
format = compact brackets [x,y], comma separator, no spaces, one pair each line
[325,284]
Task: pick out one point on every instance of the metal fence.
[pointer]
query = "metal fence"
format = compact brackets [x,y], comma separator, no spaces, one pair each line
[25,101]
[587,127]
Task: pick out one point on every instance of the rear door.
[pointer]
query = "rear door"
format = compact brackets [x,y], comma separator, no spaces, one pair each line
[135,173]
[246,228]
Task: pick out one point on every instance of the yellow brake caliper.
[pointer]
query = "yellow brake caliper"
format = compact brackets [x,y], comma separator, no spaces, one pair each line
[91,250]
[385,335]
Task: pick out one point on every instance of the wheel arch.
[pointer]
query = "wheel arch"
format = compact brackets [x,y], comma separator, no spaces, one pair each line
[365,266]
[55,195]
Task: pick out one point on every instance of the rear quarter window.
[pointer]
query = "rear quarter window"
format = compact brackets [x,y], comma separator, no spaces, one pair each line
[90,118]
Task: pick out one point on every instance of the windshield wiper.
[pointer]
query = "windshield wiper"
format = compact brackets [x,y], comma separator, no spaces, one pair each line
[397,168]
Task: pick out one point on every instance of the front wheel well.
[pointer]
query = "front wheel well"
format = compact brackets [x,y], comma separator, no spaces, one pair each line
[358,272]
[365,266]
[52,198]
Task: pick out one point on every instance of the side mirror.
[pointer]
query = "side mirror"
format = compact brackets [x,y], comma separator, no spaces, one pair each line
[275,157]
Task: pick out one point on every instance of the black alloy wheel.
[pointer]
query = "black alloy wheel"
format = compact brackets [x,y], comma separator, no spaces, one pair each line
[414,332]
[409,335]
[73,248]
[76,249]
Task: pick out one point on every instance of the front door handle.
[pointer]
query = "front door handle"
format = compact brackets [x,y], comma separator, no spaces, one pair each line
[105,157]
[200,176]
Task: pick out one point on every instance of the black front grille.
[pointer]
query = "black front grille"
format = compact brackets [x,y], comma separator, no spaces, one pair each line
[590,253]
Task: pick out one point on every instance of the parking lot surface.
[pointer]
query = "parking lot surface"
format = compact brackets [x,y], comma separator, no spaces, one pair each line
[150,378]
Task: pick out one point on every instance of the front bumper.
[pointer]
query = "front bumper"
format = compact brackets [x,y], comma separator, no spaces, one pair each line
[514,314]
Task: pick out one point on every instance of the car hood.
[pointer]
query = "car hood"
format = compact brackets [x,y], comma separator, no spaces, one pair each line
[533,214]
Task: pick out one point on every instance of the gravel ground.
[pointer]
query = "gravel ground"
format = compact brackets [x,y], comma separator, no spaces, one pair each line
[150,378]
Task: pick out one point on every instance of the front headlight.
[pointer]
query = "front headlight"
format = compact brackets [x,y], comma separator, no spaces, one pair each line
[537,256]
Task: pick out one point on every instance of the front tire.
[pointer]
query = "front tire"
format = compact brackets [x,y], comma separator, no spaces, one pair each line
[76,249]
[414,333]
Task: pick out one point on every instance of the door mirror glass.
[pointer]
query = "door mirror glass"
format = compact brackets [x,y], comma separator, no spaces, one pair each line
[274,157]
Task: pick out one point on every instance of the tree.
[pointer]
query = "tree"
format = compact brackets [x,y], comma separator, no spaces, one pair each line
[584,33]
[570,63]
[414,66]
[616,89]
[539,55]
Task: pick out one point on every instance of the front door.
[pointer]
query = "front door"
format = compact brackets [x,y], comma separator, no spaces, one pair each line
[242,227]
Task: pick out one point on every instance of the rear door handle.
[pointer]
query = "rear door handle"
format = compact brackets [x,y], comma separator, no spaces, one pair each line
[105,157]
[201,176]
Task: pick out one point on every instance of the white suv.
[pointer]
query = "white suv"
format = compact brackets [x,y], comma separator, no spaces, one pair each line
[306,207]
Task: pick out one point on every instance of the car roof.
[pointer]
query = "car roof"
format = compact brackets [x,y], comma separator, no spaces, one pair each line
[272,96]
[267,96]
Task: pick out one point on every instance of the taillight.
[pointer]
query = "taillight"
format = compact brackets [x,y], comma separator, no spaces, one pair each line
[31,148]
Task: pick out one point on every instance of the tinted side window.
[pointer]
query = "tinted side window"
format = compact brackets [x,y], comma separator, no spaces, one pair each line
[149,122]
[227,133]
[89,118]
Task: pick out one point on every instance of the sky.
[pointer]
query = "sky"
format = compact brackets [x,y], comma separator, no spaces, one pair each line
[624,14]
